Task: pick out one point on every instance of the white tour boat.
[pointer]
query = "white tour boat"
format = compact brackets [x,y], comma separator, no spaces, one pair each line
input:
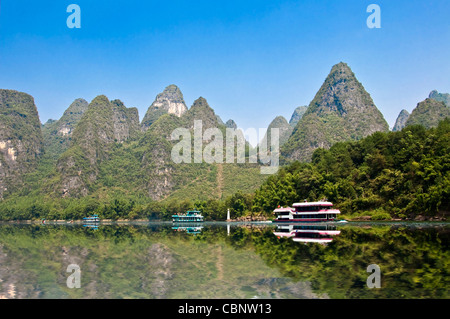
[307,212]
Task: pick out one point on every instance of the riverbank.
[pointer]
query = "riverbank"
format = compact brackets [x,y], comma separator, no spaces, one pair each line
[247,218]
[80,222]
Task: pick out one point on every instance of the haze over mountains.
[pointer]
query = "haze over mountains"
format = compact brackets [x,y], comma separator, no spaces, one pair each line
[103,146]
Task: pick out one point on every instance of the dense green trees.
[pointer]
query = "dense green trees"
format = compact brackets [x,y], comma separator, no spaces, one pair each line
[398,174]
[113,206]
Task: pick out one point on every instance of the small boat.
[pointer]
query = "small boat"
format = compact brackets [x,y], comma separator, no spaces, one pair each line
[189,216]
[307,212]
[92,219]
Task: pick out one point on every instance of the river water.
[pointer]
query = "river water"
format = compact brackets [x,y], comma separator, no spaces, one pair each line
[159,260]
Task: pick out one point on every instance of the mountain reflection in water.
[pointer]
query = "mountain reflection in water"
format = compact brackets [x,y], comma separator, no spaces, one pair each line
[225,260]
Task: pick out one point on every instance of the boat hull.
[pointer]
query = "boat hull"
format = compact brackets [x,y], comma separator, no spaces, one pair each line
[192,216]
[307,212]
[312,240]
[187,220]
[304,220]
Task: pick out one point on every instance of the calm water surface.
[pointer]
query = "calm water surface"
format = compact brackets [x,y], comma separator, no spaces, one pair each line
[220,260]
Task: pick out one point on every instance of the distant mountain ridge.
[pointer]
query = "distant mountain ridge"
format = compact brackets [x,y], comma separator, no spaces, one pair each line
[103,124]
[57,134]
[428,113]
[284,130]
[297,115]
[441,97]
[400,122]
[109,148]
[102,146]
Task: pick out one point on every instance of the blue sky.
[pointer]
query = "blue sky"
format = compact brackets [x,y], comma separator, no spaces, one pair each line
[252,60]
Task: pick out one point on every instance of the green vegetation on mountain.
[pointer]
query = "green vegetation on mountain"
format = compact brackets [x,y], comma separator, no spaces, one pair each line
[428,113]
[342,110]
[98,157]
[58,134]
[118,171]
[21,142]
[166,179]
[103,125]
[403,174]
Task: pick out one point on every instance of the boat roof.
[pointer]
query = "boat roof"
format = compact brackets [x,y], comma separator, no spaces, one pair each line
[312,240]
[189,213]
[330,211]
[313,204]
[283,209]
[318,231]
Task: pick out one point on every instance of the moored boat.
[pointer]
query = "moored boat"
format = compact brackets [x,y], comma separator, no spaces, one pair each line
[189,216]
[92,219]
[321,211]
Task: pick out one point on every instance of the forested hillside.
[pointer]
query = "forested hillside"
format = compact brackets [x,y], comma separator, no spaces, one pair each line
[394,174]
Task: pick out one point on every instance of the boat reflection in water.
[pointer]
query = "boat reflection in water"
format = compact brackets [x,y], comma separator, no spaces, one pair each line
[190,228]
[91,222]
[322,233]
[91,226]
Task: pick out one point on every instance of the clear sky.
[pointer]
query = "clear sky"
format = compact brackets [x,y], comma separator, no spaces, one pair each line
[251,59]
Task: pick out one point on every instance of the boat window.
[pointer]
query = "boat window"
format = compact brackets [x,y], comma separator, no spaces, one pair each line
[311,208]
